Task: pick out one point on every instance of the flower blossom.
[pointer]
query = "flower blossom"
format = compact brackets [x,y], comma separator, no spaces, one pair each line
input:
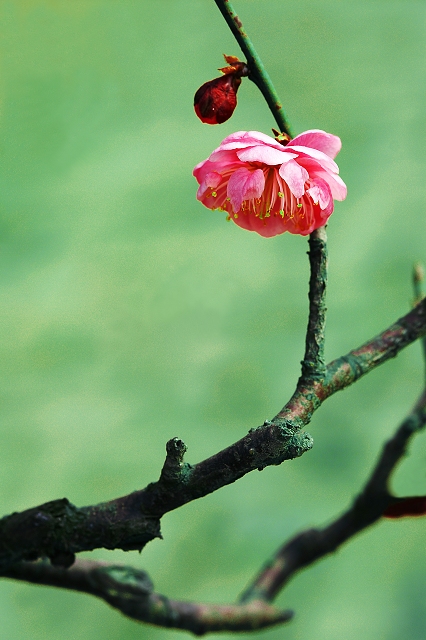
[269,188]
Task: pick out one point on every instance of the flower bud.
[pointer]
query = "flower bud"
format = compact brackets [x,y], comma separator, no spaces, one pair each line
[216,99]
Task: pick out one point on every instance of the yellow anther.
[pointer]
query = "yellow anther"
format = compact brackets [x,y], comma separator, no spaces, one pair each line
[280,194]
[214,194]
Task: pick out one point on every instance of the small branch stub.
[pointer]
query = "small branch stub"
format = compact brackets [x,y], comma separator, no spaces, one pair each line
[174,465]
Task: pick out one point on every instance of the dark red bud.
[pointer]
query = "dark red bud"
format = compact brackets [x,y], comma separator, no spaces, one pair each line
[216,100]
[413,506]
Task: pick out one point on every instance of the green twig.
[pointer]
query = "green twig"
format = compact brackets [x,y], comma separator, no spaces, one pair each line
[258,73]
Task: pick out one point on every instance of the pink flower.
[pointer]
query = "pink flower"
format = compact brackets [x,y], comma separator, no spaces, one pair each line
[269,188]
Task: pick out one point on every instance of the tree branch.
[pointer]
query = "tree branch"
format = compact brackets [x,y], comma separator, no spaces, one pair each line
[313,365]
[58,529]
[311,545]
[347,369]
[418,279]
[131,591]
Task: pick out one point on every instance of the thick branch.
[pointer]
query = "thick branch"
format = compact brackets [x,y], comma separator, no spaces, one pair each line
[58,529]
[269,444]
[132,592]
[258,73]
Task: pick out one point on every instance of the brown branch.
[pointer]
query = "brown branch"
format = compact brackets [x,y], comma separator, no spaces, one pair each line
[370,505]
[131,591]
[59,530]
[409,506]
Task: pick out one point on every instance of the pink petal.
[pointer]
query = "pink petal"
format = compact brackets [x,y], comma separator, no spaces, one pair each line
[336,184]
[212,179]
[221,155]
[244,185]
[295,176]
[198,167]
[262,137]
[248,139]
[274,227]
[231,146]
[238,140]
[265,154]
[204,168]
[239,137]
[320,140]
[320,194]
[255,185]
[324,160]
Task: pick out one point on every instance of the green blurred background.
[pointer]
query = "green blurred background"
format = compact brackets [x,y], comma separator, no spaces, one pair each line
[130,314]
